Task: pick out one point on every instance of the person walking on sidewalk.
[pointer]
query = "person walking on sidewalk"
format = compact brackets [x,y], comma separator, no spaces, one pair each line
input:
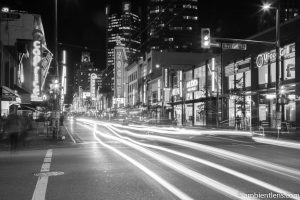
[13,127]
[238,122]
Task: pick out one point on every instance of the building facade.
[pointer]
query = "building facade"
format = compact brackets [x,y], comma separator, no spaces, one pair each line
[250,80]
[25,59]
[173,25]
[123,24]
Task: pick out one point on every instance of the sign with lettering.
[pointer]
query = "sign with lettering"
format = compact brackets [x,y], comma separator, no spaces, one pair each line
[36,59]
[237,46]
[264,58]
[192,85]
[93,86]
[119,68]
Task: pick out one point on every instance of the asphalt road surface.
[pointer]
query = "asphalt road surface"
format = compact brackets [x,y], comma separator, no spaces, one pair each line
[112,161]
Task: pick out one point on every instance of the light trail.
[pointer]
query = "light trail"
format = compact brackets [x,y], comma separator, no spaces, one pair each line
[287,144]
[213,165]
[279,169]
[178,131]
[268,166]
[200,178]
[174,190]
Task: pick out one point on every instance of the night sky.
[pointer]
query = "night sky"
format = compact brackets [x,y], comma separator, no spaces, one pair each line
[81,23]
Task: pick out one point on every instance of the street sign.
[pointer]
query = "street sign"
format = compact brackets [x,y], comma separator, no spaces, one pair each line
[237,46]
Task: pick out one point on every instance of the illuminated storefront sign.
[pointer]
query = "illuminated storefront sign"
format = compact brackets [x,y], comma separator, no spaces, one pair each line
[158,90]
[93,86]
[166,80]
[120,64]
[36,52]
[264,58]
[192,85]
[180,82]
[213,88]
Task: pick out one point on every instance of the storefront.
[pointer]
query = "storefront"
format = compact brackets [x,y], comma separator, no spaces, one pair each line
[195,100]
[251,88]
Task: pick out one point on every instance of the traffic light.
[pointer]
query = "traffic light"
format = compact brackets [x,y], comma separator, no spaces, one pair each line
[205,38]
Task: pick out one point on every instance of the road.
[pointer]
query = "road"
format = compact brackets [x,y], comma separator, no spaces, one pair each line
[112,161]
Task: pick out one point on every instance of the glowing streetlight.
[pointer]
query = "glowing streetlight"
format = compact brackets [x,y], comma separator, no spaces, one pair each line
[266,6]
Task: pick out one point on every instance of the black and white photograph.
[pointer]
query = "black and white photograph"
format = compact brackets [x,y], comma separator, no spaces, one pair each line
[150,99]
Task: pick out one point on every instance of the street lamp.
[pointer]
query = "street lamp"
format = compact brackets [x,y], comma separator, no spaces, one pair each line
[266,7]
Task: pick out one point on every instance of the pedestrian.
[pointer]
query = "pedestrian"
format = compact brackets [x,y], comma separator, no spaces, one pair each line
[13,128]
[61,120]
[238,122]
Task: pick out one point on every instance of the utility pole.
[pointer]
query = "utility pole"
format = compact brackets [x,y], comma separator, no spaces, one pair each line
[278,112]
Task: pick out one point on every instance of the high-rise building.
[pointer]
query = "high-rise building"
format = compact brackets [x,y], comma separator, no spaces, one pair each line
[172,25]
[124,24]
[288,10]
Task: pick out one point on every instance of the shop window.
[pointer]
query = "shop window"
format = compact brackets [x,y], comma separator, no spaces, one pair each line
[290,112]
[188,75]
[289,68]
[231,82]
[263,74]
[239,83]
[262,112]
[273,72]
[248,79]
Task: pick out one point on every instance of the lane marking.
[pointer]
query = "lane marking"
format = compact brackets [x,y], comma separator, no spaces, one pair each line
[41,185]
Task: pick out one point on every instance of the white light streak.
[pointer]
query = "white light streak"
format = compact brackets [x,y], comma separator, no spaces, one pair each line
[174,190]
[211,183]
[214,165]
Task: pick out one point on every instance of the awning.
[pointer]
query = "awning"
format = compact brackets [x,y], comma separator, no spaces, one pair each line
[27,107]
[8,94]
[21,90]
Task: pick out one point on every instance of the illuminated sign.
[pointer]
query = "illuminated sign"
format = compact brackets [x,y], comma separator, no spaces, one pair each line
[36,52]
[158,90]
[120,64]
[264,58]
[166,77]
[192,85]
[93,85]
[180,82]
[126,7]
[213,75]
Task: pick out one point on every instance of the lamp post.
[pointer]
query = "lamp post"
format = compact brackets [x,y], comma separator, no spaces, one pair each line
[267,7]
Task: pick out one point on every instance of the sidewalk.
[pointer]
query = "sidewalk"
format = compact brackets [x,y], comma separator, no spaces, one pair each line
[36,140]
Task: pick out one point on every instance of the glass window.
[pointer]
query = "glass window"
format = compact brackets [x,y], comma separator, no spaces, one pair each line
[263,74]
[231,82]
[289,68]
[239,80]
[248,79]
[188,75]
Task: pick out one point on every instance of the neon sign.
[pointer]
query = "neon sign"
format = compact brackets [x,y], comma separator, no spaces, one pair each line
[36,51]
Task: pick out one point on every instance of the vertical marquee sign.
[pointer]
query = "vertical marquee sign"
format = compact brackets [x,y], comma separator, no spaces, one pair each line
[120,63]
[36,59]
[93,86]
